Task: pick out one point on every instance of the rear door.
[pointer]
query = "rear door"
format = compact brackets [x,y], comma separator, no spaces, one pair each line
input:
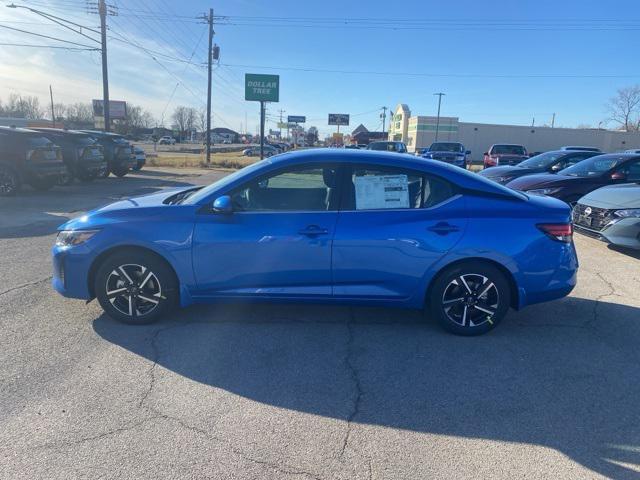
[394,224]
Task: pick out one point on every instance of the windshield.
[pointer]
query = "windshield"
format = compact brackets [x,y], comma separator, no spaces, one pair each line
[224,181]
[446,147]
[508,150]
[593,167]
[542,160]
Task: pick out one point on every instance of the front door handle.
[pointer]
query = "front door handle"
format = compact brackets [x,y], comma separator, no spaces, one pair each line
[313,230]
[443,228]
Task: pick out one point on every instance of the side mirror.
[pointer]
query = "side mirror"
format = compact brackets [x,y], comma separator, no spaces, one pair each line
[486,154]
[556,168]
[468,152]
[618,176]
[223,205]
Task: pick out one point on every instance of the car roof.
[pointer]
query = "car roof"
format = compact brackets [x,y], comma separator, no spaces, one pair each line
[457,175]
[18,130]
[60,131]
[98,133]
[507,145]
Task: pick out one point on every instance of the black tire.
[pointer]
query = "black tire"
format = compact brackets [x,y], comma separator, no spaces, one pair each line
[86,177]
[120,171]
[145,280]
[104,173]
[65,178]
[42,183]
[469,311]
[9,181]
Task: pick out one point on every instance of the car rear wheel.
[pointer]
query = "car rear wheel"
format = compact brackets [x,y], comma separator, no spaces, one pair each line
[135,287]
[469,298]
[9,181]
[120,171]
[66,178]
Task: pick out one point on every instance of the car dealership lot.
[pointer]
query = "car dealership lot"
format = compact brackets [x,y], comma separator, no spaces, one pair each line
[267,391]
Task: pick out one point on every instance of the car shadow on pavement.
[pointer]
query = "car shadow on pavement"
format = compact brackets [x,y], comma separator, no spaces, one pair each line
[562,375]
[626,251]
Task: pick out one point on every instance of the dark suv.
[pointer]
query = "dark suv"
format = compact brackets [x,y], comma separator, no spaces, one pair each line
[448,152]
[28,157]
[118,152]
[82,154]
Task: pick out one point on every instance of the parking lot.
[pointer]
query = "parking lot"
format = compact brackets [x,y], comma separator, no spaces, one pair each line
[268,391]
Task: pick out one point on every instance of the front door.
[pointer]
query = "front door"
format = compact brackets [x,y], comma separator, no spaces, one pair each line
[395,224]
[277,241]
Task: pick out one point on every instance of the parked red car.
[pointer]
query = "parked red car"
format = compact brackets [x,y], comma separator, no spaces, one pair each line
[504,154]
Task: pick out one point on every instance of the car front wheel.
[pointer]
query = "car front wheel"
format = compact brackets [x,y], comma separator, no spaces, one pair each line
[135,287]
[469,298]
[9,181]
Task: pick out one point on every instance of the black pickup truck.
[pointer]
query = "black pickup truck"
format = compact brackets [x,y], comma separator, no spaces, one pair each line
[82,154]
[26,156]
[118,152]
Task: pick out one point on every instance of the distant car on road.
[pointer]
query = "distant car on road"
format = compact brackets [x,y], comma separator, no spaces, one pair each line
[611,214]
[82,154]
[448,152]
[584,149]
[167,140]
[548,162]
[633,150]
[397,147]
[329,226]
[26,156]
[255,151]
[504,154]
[584,177]
[141,158]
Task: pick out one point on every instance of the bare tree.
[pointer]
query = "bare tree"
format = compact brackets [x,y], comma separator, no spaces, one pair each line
[180,118]
[24,107]
[202,120]
[624,108]
[79,112]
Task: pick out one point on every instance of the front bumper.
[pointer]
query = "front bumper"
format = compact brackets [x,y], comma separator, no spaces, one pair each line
[71,266]
[624,233]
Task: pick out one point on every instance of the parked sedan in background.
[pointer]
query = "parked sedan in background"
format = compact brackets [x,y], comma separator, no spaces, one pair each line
[611,214]
[548,162]
[82,154]
[504,154]
[167,140]
[585,149]
[117,151]
[448,152]
[341,226]
[576,181]
[255,151]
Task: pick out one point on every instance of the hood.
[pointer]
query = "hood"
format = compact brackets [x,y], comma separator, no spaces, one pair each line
[542,180]
[143,205]
[499,171]
[612,197]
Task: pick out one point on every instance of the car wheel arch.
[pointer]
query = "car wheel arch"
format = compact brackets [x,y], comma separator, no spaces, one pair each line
[514,300]
[95,265]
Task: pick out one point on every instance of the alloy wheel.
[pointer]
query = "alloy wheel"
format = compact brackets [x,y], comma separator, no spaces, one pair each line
[470,300]
[7,183]
[133,290]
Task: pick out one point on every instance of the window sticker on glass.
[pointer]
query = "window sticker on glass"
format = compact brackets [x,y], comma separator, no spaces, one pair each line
[382,191]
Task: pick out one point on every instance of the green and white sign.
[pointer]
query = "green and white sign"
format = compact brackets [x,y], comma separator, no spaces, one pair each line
[261,88]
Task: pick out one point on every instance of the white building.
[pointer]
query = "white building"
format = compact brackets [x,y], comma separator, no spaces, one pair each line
[420,131]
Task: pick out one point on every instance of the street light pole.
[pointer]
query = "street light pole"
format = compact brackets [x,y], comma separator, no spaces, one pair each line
[440,95]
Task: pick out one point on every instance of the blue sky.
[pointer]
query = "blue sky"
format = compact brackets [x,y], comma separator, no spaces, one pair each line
[466,51]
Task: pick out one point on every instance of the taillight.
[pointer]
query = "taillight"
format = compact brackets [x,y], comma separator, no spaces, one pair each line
[561,232]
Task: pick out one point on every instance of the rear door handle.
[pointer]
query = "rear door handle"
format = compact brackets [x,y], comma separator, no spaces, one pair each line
[443,228]
[313,230]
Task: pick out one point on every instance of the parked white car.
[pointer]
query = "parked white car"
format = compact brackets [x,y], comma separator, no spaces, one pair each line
[167,140]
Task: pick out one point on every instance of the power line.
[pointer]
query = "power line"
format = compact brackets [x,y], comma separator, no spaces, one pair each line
[47,46]
[48,37]
[435,75]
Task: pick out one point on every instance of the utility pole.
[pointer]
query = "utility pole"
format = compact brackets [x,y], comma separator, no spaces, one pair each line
[102,10]
[553,120]
[383,115]
[261,130]
[281,111]
[533,122]
[53,112]
[209,60]
[440,95]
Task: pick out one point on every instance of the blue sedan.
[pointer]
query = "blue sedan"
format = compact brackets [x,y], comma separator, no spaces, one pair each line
[334,226]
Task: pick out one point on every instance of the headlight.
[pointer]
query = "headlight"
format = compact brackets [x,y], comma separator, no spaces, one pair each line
[545,191]
[67,238]
[630,213]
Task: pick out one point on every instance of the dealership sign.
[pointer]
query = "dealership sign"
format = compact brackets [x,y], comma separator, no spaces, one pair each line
[296,119]
[261,88]
[338,119]
[117,109]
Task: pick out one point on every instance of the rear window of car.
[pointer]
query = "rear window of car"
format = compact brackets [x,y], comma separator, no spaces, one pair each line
[508,150]
[38,141]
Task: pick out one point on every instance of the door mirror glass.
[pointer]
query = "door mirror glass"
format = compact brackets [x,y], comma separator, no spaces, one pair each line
[618,176]
[223,205]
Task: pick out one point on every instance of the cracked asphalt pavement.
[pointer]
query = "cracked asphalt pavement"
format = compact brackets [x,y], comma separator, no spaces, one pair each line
[317,392]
